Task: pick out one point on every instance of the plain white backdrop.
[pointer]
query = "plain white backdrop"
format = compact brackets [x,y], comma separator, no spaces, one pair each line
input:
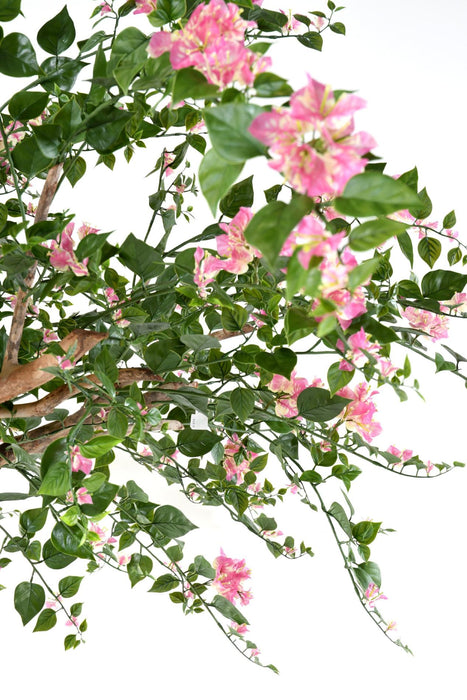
[407,59]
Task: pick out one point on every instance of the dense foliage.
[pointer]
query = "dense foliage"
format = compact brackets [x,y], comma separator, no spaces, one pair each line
[187,354]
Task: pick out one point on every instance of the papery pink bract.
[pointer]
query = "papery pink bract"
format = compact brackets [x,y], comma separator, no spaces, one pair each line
[233,465]
[434,325]
[80,463]
[144,7]
[372,594]
[358,414]
[63,256]
[230,577]
[289,390]
[83,496]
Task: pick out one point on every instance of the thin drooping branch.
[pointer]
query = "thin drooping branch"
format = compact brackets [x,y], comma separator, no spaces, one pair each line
[24,378]
[10,361]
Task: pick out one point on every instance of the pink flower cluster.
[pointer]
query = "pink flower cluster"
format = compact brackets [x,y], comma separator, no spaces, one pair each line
[358,414]
[145,7]
[359,349]
[434,325]
[232,245]
[233,464]
[288,390]
[213,42]
[372,594]
[230,577]
[82,496]
[80,463]
[348,304]
[63,256]
[313,141]
[403,455]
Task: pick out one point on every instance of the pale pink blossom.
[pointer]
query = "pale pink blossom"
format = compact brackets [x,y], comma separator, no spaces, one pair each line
[168,159]
[145,451]
[123,559]
[312,141]
[358,414]
[50,336]
[386,368]
[288,390]
[105,8]
[230,577]
[312,240]
[111,296]
[292,23]
[80,463]
[391,626]
[85,229]
[403,455]
[144,7]
[357,343]
[83,496]
[434,325]
[372,594]
[239,629]
[65,363]
[63,256]
[457,304]
[117,317]
[254,652]
[234,465]
[72,621]
[212,41]
[429,467]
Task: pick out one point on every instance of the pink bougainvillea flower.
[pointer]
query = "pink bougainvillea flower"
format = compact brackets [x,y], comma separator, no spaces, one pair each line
[288,390]
[78,462]
[117,317]
[312,240]
[457,304]
[105,8]
[358,414]
[239,629]
[434,325]
[429,467]
[233,464]
[358,343]
[254,652]
[63,256]
[83,496]
[111,296]
[123,559]
[212,41]
[230,577]
[312,141]
[372,594]
[72,621]
[145,7]
[50,336]
[85,229]
[292,23]
[404,455]
[64,362]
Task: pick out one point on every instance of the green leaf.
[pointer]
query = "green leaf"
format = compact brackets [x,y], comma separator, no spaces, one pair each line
[311,476]
[3,216]
[29,599]
[171,522]
[49,139]
[365,531]
[163,355]
[70,540]
[234,319]
[189,82]
[164,583]
[240,195]
[317,404]
[55,469]
[26,105]
[242,402]
[168,11]
[271,85]
[338,378]
[194,443]
[228,126]
[406,246]
[101,499]
[449,220]
[74,169]
[69,586]
[117,423]
[104,132]
[429,249]
[374,194]
[203,567]
[442,284]
[312,40]
[337,28]
[338,513]
[372,570]
[55,559]
[424,207]
[128,56]
[33,520]
[69,118]
[28,158]
[58,34]
[270,227]
[373,233]
[98,446]
[17,56]
[9,9]
[140,258]
[61,71]
[281,361]
[228,610]
[46,620]
[298,324]
[198,341]
[454,256]
[216,175]
[138,568]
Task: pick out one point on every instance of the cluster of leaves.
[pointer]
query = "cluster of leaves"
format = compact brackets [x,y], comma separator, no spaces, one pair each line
[163,375]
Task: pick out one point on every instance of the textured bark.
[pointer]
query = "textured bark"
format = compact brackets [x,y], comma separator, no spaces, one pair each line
[10,361]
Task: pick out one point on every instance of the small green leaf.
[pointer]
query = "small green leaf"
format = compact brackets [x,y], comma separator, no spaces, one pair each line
[228,610]
[338,513]
[216,175]
[117,423]
[164,583]
[240,195]
[203,567]
[33,520]
[281,361]
[374,194]
[140,257]
[69,586]
[242,402]
[228,126]
[373,233]
[449,220]
[171,522]
[168,11]
[17,56]
[9,9]
[98,446]
[189,82]
[317,404]
[442,284]
[338,378]
[312,40]
[46,620]
[429,250]
[271,85]
[27,105]
[58,34]
[365,531]
[29,599]
[138,568]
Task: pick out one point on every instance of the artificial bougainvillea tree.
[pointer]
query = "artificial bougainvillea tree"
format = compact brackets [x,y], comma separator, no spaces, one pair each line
[190,354]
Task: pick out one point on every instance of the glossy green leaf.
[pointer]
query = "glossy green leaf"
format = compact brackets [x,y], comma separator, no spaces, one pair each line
[365,532]
[216,175]
[117,423]
[373,233]
[189,82]
[429,249]
[242,402]
[270,227]
[17,56]
[9,9]
[55,559]
[228,610]
[317,404]
[194,443]
[58,34]
[138,568]
[49,139]
[128,56]
[61,71]
[46,620]
[374,194]
[312,40]
[29,600]
[98,446]
[164,583]
[240,195]
[171,522]
[271,85]
[449,220]
[424,207]
[281,361]
[3,216]
[228,127]
[28,157]
[140,258]
[338,513]
[442,284]
[338,378]
[70,540]
[33,520]
[26,105]
[69,586]
[168,11]
[203,567]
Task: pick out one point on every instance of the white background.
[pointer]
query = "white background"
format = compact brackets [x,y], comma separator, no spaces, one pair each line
[407,59]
